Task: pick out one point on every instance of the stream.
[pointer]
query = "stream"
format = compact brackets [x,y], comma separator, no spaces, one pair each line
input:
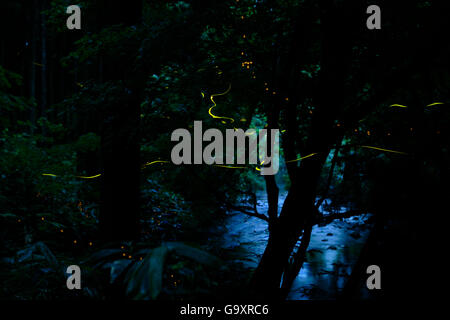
[332,252]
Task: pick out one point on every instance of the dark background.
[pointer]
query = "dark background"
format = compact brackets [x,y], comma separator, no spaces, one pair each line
[105,99]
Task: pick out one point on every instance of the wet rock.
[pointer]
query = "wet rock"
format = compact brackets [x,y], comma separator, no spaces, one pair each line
[314,251]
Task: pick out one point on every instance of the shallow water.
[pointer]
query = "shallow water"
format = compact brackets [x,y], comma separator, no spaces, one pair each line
[332,252]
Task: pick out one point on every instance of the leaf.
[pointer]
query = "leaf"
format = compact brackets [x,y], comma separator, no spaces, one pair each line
[103,255]
[25,254]
[48,254]
[57,225]
[195,254]
[8,215]
[117,268]
[145,277]
[8,260]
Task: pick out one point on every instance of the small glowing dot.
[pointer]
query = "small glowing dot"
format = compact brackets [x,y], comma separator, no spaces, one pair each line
[19,220]
[389,134]
[42,219]
[129,257]
[274,92]
[267,89]
[338,125]
[75,241]
[368,133]
[122,247]
[287,99]
[123,254]
[243,36]
[242,17]
[242,53]
[140,258]
[90,243]
[62,230]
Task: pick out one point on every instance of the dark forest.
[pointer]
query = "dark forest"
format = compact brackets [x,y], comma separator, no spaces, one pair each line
[87,117]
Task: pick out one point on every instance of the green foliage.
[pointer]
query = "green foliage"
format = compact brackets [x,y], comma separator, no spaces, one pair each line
[88,142]
[147,272]
[11,105]
[144,280]
[37,206]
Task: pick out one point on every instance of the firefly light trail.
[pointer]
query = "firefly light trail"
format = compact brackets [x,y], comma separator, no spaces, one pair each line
[232,120]
[301,158]
[429,105]
[384,150]
[212,99]
[231,167]
[99,175]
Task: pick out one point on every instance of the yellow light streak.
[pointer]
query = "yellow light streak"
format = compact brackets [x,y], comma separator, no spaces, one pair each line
[229,167]
[99,175]
[385,150]
[89,177]
[435,104]
[301,158]
[398,105]
[153,162]
[258,169]
[212,99]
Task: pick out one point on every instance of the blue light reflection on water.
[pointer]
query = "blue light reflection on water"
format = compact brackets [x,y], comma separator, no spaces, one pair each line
[332,252]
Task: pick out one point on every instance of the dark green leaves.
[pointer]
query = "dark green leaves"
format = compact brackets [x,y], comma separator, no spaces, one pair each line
[144,280]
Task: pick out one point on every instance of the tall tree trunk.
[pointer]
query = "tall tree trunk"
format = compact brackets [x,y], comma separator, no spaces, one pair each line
[299,209]
[43,61]
[119,215]
[34,41]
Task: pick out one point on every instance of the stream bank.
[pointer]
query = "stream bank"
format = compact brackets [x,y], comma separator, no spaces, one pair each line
[332,252]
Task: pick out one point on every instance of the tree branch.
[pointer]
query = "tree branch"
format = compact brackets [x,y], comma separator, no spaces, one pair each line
[246,211]
[299,257]
[330,177]
[331,217]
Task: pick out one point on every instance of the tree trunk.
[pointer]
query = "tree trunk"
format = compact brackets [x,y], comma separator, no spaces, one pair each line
[298,208]
[34,38]
[43,61]
[119,213]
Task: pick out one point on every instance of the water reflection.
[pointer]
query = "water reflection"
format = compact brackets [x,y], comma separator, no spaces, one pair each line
[332,252]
